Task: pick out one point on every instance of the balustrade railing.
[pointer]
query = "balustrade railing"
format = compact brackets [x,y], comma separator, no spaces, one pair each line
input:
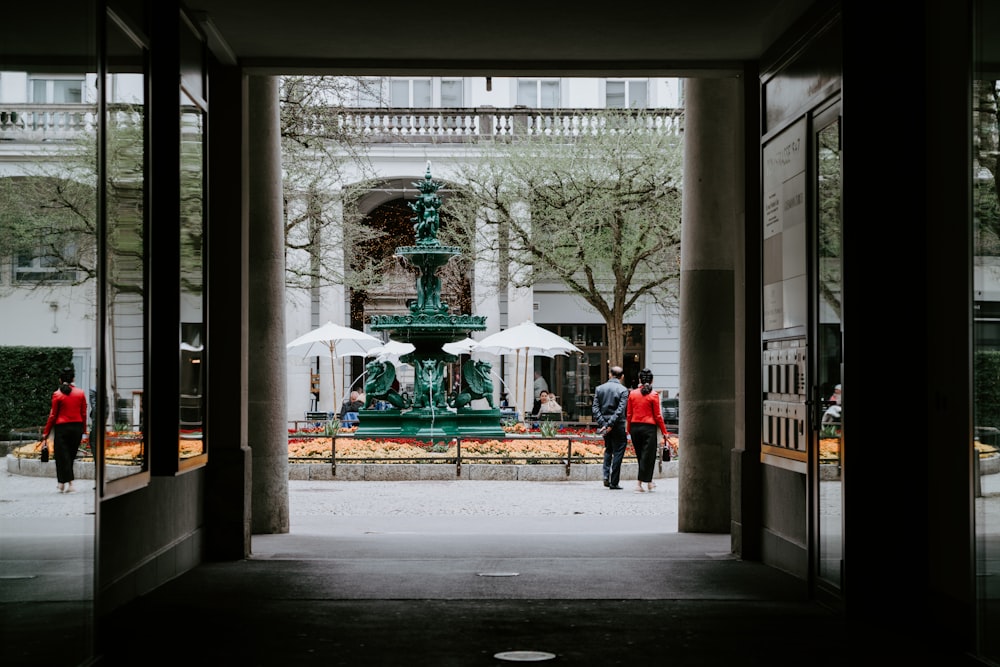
[30,123]
[488,123]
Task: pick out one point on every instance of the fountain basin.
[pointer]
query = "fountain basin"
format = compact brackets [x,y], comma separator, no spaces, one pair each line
[427,424]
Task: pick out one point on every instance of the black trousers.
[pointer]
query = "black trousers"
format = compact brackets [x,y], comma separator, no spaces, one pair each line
[615,443]
[66,438]
[644,443]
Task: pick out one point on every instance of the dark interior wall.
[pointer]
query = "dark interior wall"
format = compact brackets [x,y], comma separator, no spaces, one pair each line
[228,479]
[915,205]
[151,527]
[784,540]
[149,536]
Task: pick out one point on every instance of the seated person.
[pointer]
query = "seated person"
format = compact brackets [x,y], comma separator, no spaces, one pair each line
[351,404]
[832,414]
[547,404]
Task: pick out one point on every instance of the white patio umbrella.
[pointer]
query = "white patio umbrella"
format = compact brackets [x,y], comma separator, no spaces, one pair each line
[339,341]
[391,351]
[464,346]
[526,338]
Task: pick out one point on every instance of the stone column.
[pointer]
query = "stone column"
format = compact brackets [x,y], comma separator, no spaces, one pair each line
[711,221]
[266,423]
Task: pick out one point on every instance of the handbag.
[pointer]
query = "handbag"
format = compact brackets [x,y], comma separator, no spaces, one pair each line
[47,445]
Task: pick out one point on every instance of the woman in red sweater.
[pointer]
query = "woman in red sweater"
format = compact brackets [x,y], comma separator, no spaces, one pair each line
[642,422]
[68,417]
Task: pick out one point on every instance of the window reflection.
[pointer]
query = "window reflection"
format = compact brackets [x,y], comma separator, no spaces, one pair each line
[986,342]
[124,251]
[829,327]
[48,302]
[192,278]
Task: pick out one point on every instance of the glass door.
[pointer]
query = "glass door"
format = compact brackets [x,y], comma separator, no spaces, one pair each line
[986,326]
[828,391]
[48,190]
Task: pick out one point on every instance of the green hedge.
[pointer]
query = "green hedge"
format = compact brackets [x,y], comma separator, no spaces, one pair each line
[987,396]
[28,376]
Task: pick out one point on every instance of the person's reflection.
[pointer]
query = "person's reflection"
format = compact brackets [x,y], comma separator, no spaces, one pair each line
[834,411]
[94,424]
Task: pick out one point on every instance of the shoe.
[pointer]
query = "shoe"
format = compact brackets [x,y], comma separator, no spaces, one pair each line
[615,488]
[639,489]
[59,488]
[650,486]
[607,483]
[70,489]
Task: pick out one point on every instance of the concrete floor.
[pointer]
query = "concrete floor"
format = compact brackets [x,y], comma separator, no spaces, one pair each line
[463,573]
[466,573]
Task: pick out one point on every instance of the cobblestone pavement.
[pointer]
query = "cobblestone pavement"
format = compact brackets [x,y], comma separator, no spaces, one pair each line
[478,498]
[29,496]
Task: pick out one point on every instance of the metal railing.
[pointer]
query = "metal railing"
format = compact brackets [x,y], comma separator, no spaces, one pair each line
[459,457]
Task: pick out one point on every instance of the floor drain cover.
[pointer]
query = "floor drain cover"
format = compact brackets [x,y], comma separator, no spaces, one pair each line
[498,574]
[525,656]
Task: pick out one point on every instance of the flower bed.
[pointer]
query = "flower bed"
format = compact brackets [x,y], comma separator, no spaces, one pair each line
[122,448]
[308,445]
[483,451]
[526,446]
[829,450]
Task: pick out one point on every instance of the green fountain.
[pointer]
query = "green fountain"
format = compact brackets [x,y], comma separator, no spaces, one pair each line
[431,413]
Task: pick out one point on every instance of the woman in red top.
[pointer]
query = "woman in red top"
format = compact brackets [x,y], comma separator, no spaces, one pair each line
[68,417]
[642,421]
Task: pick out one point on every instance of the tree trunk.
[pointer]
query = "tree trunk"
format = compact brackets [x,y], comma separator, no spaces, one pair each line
[616,342]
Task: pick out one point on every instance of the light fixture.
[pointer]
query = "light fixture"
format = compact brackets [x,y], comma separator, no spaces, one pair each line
[489,83]
[54,307]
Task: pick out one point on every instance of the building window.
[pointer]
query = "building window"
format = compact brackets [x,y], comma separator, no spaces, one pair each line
[366,91]
[538,93]
[415,93]
[40,267]
[627,94]
[452,93]
[987,334]
[55,90]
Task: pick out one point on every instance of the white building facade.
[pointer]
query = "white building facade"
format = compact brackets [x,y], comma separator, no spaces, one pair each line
[422,121]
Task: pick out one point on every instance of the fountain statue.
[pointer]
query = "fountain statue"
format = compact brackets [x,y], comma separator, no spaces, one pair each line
[431,413]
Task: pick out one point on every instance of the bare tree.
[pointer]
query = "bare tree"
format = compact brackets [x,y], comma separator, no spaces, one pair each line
[986,179]
[597,209]
[48,215]
[325,168]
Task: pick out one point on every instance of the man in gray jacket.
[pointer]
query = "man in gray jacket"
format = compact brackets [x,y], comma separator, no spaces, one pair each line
[610,403]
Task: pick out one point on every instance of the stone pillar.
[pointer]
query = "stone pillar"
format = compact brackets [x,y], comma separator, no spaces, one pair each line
[266,423]
[712,219]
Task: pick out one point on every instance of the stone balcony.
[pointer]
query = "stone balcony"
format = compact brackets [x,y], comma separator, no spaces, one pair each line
[36,123]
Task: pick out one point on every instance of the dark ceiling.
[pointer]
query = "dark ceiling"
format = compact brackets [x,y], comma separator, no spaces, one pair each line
[489,38]
[667,38]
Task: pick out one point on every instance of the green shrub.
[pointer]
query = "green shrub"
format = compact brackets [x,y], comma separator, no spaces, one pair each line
[28,376]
